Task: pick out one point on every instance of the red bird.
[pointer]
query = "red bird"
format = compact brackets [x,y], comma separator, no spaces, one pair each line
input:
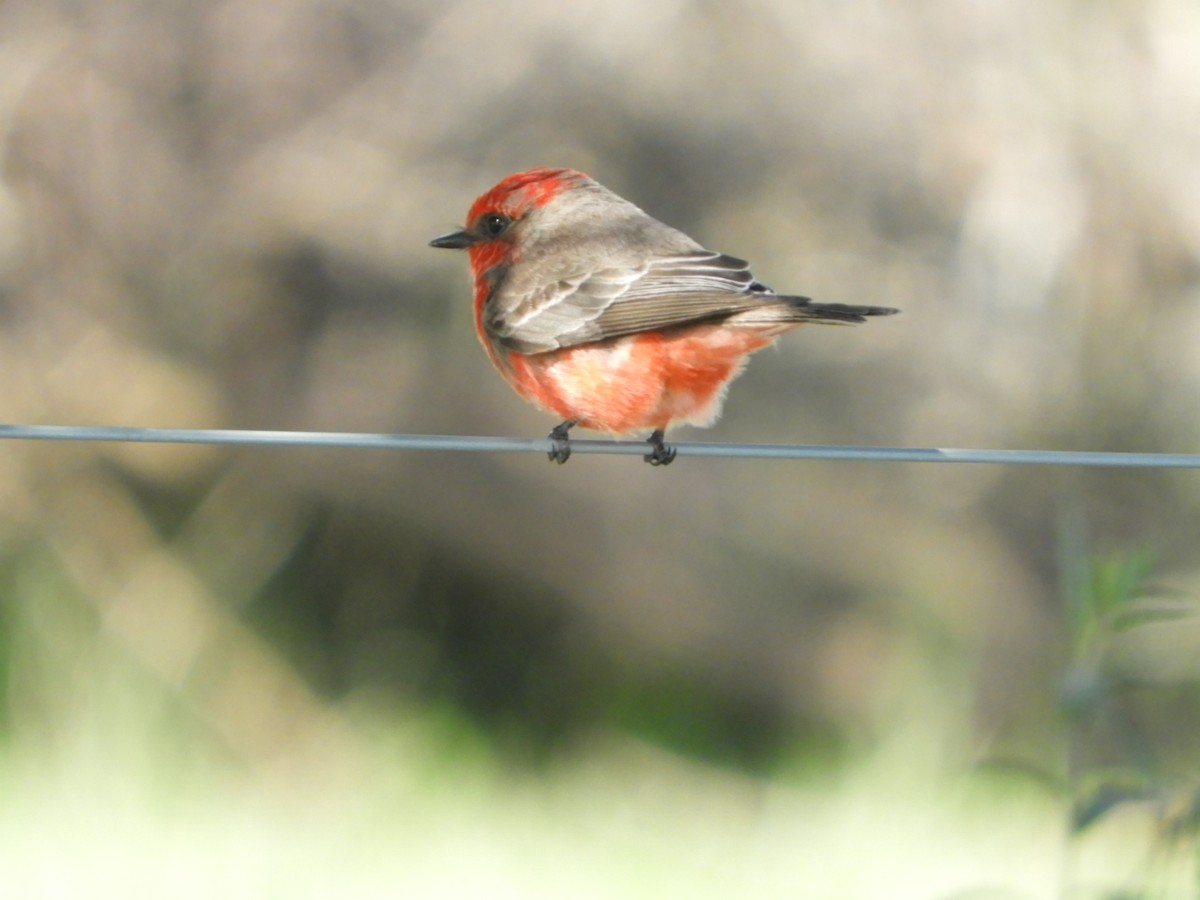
[600,314]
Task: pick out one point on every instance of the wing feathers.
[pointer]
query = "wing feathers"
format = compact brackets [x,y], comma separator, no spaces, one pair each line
[659,294]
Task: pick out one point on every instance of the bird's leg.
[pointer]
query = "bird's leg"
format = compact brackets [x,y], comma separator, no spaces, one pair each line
[660,454]
[561,451]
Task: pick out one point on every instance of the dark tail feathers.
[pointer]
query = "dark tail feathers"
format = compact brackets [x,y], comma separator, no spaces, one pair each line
[835,313]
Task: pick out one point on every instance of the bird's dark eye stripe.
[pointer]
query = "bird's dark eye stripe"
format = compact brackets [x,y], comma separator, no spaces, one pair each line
[492,224]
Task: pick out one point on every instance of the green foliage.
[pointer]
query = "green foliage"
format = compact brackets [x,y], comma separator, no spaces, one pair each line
[1122,712]
[1110,588]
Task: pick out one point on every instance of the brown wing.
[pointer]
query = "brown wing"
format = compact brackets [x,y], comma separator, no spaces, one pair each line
[662,293]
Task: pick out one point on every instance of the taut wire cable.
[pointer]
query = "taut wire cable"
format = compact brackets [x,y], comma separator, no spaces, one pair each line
[467,443]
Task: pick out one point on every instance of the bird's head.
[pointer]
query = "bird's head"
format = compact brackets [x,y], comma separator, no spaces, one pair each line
[495,218]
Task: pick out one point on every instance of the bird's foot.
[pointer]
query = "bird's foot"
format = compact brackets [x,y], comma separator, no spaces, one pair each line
[560,437]
[660,454]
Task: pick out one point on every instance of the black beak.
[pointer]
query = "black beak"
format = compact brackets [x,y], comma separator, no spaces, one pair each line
[455,240]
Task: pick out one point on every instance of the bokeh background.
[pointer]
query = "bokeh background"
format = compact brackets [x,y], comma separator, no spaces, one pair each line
[298,672]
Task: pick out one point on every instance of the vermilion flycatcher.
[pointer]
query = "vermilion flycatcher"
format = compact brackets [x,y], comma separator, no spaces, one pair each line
[596,312]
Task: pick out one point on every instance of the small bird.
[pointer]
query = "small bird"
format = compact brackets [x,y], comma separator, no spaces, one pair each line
[600,314]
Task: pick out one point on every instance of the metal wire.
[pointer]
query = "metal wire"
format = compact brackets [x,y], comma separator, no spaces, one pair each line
[460,443]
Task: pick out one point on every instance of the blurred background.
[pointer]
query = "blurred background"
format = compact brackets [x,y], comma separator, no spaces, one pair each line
[290,672]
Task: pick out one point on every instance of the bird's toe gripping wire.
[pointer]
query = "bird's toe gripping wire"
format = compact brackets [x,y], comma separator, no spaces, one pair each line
[660,454]
[560,452]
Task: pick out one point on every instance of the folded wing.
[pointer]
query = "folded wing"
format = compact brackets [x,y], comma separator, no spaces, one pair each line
[660,294]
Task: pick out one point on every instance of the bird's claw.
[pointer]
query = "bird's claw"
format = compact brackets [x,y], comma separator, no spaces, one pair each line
[559,437]
[660,454]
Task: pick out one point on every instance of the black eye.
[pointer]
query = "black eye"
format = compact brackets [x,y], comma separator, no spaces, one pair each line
[492,224]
